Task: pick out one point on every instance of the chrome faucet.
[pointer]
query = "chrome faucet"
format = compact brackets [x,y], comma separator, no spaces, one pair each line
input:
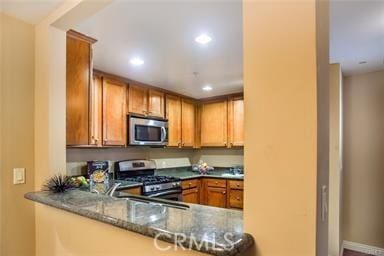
[112,189]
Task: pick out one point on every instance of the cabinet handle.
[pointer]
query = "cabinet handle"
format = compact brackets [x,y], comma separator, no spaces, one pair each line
[224,192]
[238,185]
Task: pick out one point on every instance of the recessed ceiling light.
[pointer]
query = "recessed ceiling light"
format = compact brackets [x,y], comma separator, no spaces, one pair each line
[207,88]
[136,61]
[362,62]
[203,39]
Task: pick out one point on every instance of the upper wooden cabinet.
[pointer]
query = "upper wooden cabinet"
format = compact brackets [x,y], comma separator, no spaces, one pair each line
[95,113]
[188,111]
[138,100]
[181,121]
[155,103]
[213,124]
[114,113]
[236,122]
[173,114]
[78,78]
[147,102]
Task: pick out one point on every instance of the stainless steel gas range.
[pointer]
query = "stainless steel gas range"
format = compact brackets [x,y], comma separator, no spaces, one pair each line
[143,171]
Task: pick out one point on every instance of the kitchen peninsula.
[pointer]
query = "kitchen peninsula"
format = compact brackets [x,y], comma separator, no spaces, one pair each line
[207,229]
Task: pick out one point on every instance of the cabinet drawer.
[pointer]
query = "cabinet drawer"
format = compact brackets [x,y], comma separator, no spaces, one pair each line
[190,184]
[236,198]
[216,183]
[236,184]
[133,191]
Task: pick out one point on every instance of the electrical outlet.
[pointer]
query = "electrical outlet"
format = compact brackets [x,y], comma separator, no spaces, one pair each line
[18,176]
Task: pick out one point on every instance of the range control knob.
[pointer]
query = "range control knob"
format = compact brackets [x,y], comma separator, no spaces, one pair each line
[157,187]
[152,188]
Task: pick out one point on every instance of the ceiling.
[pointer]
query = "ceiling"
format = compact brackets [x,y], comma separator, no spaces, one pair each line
[163,35]
[31,11]
[356,35]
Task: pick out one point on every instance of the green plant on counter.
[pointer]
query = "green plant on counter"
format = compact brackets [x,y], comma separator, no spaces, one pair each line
[58,183]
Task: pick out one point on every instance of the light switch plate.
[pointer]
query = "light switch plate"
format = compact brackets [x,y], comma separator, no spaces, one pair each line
[18,175]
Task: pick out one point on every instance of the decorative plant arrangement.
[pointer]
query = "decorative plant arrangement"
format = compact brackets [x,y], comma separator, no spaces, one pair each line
[204,168]
[58,183]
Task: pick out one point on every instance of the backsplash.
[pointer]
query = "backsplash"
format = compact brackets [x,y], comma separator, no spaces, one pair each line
[164,157]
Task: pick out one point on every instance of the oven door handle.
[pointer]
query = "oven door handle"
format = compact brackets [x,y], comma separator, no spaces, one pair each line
[168,192]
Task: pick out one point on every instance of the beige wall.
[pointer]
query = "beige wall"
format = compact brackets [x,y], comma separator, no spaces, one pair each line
[280,126]
[17,115]
[335,161]
[363,161]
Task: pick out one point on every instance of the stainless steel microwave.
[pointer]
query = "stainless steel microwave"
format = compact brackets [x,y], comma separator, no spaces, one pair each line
[147,132]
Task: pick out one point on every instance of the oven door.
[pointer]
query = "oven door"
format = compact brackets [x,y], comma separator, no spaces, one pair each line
[173,194]
[149,132]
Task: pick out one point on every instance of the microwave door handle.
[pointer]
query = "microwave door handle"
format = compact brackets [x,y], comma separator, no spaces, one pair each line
[163,134]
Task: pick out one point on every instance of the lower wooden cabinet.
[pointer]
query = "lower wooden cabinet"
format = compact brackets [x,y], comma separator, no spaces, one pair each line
[133,191]
[214,192]
[216,197]
[235,198]
[191,191]
[191,195]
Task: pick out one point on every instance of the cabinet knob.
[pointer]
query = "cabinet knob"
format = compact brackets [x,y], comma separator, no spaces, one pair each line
[190,183]
[216,182]
[238,185]
[224,192]
[238,198]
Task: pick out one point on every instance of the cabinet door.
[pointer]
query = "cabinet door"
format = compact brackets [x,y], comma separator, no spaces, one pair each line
[191,195]
[187,123]
[114,113]
[214,124]
[173,114]
[236,123]
[137,102]
[155,103]
[216,196]
[78,80]
[96,114]
[235,198]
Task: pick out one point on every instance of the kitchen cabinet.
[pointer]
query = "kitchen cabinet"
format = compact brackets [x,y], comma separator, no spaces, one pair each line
[173,114]
[133,191]
[187,123]
[235,194]
[155,103]
[236,122]
[146,102]
[137,102]
[78,79]
[213,124]
[180,113]
[191,191]
[214,192]
[96,113]
[114,113]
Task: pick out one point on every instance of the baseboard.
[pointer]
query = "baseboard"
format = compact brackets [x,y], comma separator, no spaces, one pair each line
[376,251]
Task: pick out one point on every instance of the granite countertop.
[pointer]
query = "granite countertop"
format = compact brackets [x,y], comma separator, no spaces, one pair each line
[185,173]
[220,231]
